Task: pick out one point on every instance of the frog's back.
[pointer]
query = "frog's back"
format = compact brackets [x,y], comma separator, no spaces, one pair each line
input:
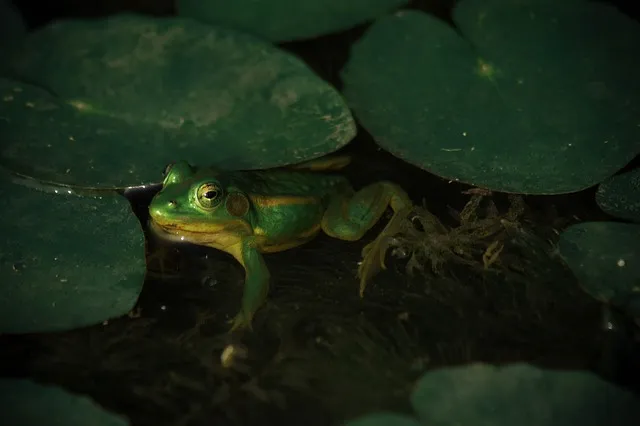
[287,183]
[288,205]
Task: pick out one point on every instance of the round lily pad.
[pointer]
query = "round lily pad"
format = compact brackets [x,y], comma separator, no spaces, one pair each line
[285,20]
[533,96]
[520,394]
[66,261]
[620,196]
[149,91]
[46,137]
[605,257]
[25,403]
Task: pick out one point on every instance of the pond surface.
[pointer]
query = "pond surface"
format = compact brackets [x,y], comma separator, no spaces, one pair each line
[318,353]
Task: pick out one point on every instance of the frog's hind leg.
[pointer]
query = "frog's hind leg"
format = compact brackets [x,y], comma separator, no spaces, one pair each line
[349,216]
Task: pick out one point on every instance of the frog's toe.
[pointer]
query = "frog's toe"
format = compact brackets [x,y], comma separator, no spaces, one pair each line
[373,256]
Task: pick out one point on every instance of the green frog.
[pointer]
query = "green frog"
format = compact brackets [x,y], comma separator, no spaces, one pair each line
[251,212]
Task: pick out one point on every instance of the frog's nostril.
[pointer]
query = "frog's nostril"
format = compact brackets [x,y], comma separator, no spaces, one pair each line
[172,203]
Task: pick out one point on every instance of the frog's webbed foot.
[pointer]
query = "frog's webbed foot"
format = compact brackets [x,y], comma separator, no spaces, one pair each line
[349,216]
[373,254]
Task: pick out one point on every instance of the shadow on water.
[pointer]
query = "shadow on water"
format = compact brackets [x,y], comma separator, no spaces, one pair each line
[319,353]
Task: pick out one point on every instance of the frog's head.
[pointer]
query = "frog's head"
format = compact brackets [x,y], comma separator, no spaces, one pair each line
[195,206]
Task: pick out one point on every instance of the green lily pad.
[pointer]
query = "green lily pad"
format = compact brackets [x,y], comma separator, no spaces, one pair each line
[518,394]
[533,96]
[66,261]
[620,196]
[25,403]
[285,20]
[154,90]
[53,140]
[605,257]
[521,394]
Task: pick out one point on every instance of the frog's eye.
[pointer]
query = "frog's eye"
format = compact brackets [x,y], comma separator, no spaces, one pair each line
[209,195]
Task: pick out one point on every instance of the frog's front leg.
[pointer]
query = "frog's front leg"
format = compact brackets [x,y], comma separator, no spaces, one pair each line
[256,284]
[350,215]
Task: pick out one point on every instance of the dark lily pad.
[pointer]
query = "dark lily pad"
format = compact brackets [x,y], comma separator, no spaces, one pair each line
[620,196]
[148,91]
[533,96]
[51,139]
[605,257]
[66,261]
[25,403]
[519,394]
[285,20]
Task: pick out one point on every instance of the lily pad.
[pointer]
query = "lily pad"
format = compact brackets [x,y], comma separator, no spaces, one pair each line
[521,394]
[285,20]
[66,261]
[485,395]
[172,88]
[56,141]
[620,196]
[533,96]
[605,257]
[25,403]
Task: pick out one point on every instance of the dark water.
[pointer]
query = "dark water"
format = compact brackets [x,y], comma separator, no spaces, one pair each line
[319,353]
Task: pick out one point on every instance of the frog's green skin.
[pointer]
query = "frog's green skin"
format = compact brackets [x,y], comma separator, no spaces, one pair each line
[247,213]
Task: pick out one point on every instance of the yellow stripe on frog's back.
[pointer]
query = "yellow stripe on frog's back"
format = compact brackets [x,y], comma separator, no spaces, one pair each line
[335,162]
[286,221]
[282,200]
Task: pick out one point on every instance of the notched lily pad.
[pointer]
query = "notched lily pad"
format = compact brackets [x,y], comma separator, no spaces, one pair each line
[210,96]
[25,403]
[285,20]
[620,196]
[533,96]
[605,257]
[66,261]
[62,142]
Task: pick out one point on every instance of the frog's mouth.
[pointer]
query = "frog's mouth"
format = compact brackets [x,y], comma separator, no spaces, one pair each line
[175,233]
[212,236]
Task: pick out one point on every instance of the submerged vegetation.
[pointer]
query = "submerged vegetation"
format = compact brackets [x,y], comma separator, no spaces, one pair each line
[481,239]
